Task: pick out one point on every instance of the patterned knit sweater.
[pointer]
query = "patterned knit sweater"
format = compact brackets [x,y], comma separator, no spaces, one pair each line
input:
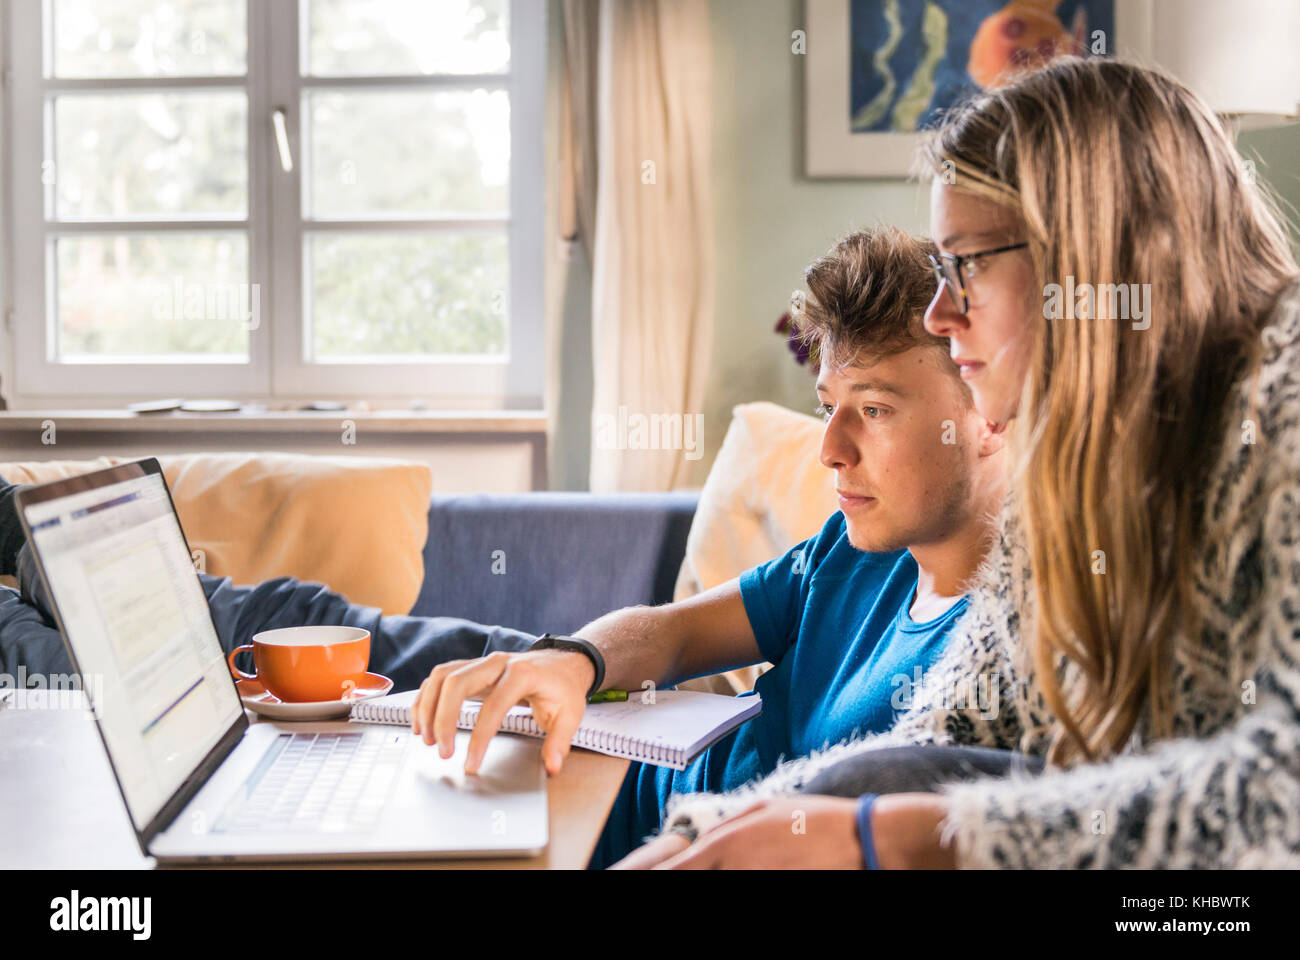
[1224,791]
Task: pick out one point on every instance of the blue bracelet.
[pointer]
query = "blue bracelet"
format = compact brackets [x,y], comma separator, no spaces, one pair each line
[865,803]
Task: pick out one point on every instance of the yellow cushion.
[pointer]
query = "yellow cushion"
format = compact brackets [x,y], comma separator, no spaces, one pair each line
[356,524]
[766,492]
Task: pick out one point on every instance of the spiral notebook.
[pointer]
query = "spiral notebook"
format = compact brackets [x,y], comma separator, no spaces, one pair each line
[666,730]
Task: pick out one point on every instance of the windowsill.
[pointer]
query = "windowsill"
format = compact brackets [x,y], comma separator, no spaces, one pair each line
[281,421]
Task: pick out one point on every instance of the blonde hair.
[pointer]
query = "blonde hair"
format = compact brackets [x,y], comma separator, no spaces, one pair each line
[1121,175]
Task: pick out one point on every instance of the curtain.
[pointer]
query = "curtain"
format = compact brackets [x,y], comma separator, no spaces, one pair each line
[637,105]
[571,213]
[580,22]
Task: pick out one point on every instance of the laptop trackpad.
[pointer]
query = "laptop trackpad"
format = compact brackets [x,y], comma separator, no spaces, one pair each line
[502,806]
[511,764]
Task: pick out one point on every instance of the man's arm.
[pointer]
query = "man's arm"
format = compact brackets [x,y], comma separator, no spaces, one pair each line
[705,634]
[661,644]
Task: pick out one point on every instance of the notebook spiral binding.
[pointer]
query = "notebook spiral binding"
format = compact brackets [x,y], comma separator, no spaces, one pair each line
[619,745]
[377,713]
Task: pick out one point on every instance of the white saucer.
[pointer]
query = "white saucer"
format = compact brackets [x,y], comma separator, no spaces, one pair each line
[210,406]
[155,406]
[258,699]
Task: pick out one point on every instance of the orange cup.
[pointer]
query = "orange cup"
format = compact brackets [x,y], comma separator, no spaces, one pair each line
[307,664]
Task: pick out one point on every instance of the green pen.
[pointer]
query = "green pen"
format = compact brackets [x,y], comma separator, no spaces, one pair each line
[608,696]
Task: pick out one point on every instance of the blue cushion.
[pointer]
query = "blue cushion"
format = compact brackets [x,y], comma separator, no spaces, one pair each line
[565,558]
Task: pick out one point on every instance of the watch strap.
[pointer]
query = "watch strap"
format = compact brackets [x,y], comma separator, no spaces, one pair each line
[550,641]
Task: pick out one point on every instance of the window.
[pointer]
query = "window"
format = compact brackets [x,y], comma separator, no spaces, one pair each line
[276,199]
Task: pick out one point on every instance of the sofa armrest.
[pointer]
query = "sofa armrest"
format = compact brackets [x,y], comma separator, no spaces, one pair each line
[551,561]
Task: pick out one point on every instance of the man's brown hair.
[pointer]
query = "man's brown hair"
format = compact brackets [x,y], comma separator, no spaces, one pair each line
[868,294]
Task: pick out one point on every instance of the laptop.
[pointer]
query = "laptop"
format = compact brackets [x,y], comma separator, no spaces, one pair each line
[199,781]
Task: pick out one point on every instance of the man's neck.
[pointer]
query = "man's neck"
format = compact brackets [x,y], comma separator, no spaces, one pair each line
[944,569]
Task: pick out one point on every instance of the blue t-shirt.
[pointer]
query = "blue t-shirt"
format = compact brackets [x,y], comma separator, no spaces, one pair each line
[833,620]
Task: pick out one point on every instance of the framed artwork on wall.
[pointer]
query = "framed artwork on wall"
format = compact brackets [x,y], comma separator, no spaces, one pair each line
[877,71]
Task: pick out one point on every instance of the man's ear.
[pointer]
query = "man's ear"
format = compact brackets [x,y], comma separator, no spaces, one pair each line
[993,437]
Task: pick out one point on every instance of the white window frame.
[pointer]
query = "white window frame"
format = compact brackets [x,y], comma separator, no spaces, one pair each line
[278,369]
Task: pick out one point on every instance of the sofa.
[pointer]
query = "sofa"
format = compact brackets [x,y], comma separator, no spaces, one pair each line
[551,561]
[373,530]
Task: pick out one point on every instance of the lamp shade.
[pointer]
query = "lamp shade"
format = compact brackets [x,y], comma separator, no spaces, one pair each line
[1241,56]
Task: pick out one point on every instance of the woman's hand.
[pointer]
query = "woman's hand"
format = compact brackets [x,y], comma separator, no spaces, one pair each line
[790,832]
[810,832]
[650,855]
[907,830]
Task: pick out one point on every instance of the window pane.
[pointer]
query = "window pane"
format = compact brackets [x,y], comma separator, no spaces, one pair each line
[407,296]
[153,154]
[149,38]
[387,37]
[408,153]
[155,298]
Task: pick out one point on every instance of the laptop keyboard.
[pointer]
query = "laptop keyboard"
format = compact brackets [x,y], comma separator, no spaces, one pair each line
[317,783]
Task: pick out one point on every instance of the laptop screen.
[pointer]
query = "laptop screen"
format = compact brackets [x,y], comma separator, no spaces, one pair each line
[137,620]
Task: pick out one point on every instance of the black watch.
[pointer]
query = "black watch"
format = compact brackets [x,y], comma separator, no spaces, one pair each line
[549,641]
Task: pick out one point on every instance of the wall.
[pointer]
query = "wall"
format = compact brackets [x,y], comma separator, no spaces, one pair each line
[772,221]
[1276,152]
[461,462]
[5,240]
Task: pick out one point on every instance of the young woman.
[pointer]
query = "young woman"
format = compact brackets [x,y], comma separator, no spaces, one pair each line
[1140,619]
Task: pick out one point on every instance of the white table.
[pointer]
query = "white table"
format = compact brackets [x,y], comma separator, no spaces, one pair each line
[60,806]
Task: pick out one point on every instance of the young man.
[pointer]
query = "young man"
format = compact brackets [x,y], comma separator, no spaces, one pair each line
[846,616]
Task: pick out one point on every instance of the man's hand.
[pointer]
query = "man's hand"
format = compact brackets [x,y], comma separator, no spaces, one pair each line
[553,682]
[789,832]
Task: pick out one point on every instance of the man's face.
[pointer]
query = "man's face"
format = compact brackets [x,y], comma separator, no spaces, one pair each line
[903,440]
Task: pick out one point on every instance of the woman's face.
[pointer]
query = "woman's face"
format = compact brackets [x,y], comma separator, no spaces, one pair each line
[992,339]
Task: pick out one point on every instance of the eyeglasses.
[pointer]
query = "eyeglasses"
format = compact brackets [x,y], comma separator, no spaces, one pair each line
[951,269]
